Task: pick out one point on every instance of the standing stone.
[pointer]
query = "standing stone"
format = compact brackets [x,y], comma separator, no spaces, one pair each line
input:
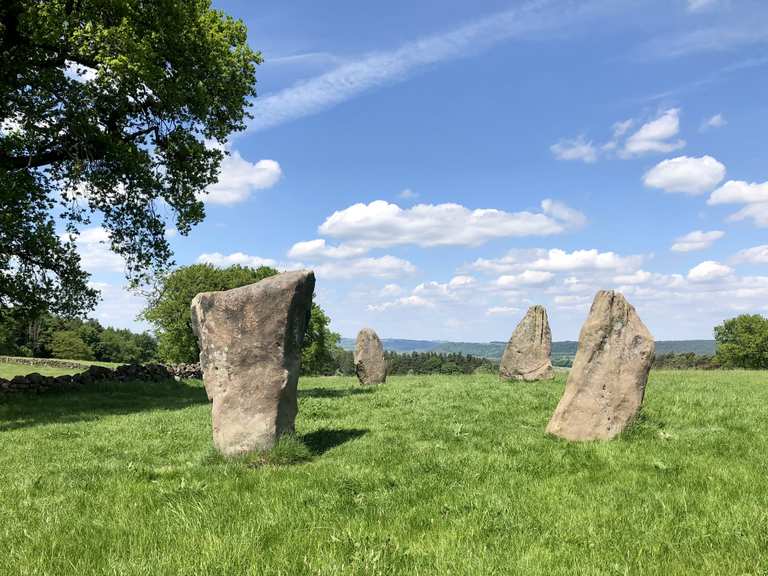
[526,356]
[370,364]
[250,348]
[605,386]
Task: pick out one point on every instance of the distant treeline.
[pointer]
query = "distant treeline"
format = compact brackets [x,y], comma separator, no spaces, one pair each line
[494,350]
[50,336]
[685,361]
[422,363]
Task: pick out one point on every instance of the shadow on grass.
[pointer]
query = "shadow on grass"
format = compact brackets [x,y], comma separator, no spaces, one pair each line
[290,449]
[320,441]
[332,392]
[101,399]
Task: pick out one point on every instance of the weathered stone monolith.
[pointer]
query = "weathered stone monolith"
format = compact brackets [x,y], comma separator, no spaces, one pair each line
[250,348]
[370,364]
[526,356]
[605,387]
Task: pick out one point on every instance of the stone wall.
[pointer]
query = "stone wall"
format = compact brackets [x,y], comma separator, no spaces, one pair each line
[50,362]
[35,383]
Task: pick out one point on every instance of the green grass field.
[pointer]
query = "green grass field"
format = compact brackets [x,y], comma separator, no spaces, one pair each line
[424,475]
[8,369]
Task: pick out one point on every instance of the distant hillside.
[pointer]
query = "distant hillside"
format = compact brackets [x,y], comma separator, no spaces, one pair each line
[494,350]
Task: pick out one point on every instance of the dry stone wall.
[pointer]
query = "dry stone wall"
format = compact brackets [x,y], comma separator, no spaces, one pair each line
[35,383]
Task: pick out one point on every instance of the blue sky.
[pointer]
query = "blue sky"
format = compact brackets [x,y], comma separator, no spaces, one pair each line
[443,169]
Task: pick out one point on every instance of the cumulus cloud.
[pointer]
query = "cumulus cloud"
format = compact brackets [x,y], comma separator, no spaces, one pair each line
[575,149]
[448,290]
[404,302]
[93,245]
[638,277]
[319,249]
[739,192]
[557,260]
[239,258]
[686,175]
[382,224]
[754,195]
[502,310]
[390,290]
[696,240]
[382,267]
[708,271]
[118,307]
[658,135]
[754,255]
[655,136]
[238,178]
[526,278]
[560,260]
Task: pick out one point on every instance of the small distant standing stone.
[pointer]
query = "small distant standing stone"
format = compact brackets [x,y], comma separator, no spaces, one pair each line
[605,387]
[250,349]
[370,363]
[526,356]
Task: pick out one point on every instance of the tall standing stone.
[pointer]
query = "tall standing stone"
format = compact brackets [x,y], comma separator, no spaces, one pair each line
[250,349]
[370,363]
[526,356]
[605,387]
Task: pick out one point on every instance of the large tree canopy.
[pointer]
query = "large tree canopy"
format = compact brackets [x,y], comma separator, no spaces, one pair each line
[113,107]
[742,342]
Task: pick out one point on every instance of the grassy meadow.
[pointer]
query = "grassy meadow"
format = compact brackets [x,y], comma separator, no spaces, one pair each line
[423,475]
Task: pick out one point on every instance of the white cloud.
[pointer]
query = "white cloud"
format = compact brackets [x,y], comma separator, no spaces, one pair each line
[93,245]
[238,178]
[571,301]
[526,278]
[716,121]
[655,136]
[404,302]
[239,258]
[449,290]
[502,310]
[390,290]
[754,195]
[755,255]
[639,277]
[708,271]
[118,307]
[575,149]
[382,224]
[686,175]
[696,240]
[560,260]
[382,267]
[739,192]
[756,212]
[557,260]
[318,249]
[355,77]
[407,194]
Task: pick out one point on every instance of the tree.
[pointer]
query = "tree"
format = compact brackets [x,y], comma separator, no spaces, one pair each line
[317,353]
[116,108]
[67,344]
[742,342]
[169,312]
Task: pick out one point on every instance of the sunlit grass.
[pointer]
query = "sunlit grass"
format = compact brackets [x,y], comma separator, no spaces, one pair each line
[424,475]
